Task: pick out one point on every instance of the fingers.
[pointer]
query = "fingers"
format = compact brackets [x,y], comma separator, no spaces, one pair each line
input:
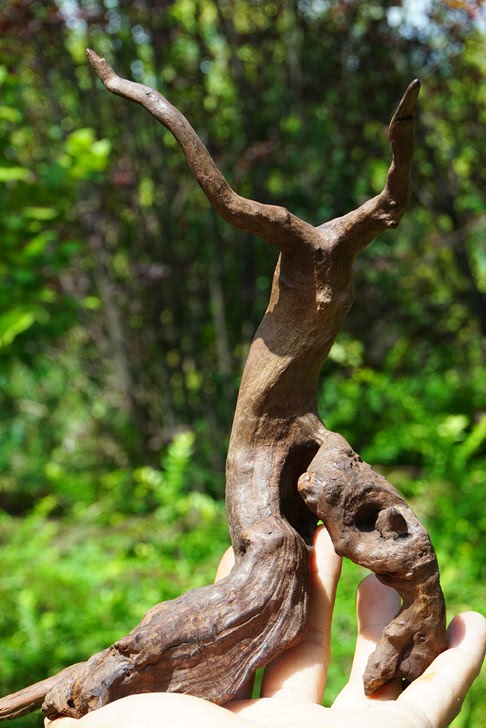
[440,691]
[376,606]
[225,565]
[300,673]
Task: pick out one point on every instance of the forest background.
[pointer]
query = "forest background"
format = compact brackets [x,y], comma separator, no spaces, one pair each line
[127,307]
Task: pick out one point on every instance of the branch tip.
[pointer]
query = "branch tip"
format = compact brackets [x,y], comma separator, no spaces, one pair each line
[100,65]
[406,108]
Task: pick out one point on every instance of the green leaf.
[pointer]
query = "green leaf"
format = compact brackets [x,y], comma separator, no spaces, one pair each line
[10,114]
[37,245]
[41,213]
[15,322]
[101,148]
[92,303]
[15,174]
[80,141]
[473,442]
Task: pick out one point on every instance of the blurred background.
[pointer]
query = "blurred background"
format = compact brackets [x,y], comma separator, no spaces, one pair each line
[127,307]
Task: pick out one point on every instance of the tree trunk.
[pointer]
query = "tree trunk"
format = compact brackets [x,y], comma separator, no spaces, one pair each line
[285,471]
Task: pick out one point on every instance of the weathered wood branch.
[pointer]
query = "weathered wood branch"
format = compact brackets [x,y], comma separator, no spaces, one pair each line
[358,228]
[275,224]
[209,641]
[371,524]
[188,644]
[27,700]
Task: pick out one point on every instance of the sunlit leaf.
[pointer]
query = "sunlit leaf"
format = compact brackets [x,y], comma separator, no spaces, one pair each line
[41,213]
[10,114]
[13,323]
[15,174]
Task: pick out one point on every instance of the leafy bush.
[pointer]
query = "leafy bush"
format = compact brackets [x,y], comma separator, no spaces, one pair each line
[72,587]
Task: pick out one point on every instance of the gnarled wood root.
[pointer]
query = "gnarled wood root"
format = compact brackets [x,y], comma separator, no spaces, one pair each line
[210,640]
[371,524]
[28,699]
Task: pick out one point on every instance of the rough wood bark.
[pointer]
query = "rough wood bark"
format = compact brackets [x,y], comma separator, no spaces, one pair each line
[284,469]
[371,524]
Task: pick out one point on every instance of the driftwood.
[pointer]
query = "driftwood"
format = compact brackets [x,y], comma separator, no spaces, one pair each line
[285,471]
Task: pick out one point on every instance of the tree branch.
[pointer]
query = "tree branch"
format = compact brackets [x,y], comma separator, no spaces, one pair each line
[358,228]
[273,223]
[371,524]
[28,699]
[209,641]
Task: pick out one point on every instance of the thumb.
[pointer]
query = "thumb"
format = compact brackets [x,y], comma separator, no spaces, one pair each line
[376,606]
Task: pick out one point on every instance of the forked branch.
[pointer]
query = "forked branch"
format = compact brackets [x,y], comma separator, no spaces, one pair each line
[210,640]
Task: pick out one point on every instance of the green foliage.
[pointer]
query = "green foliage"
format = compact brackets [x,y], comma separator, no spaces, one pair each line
[38,188]
[72,587]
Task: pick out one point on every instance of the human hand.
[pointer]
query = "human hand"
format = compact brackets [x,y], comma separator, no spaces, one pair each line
[294,682]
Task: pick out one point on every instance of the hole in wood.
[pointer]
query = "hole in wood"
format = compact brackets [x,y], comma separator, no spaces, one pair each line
[366,517]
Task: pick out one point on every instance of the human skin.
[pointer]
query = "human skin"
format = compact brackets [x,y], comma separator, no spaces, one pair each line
[294,683]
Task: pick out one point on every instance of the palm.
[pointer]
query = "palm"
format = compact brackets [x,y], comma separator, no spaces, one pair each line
[294,682]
